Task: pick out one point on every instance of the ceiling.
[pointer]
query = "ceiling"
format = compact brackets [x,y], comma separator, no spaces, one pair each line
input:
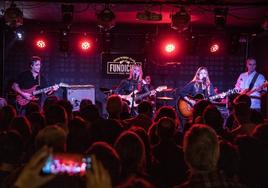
[241,13]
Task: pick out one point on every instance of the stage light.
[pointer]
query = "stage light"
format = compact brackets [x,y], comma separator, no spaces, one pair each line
[214,47]
[181,20]
[169,48]
[40,43]
[19,33]
[13,16]
[106,18]
[85,45]
[220,17]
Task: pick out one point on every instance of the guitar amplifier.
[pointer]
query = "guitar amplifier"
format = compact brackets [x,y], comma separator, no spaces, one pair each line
[76,93]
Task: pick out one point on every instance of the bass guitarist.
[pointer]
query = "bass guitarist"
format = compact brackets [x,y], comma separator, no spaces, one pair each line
[28,81]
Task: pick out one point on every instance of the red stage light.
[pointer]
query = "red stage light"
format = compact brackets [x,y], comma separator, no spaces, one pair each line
[169,48]
[85,45]
[40,43]
[214,48]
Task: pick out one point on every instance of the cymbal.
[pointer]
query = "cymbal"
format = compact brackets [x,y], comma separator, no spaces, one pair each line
[168,90]
[165,98]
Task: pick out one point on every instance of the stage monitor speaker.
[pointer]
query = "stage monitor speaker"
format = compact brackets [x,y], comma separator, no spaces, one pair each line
[76,93]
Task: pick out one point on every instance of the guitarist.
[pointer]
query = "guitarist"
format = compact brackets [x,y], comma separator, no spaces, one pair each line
[200,85]
[28,79]
[248,81]
[132,83]
[198,88]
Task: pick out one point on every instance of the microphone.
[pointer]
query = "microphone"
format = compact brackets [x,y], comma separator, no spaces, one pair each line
[204,80]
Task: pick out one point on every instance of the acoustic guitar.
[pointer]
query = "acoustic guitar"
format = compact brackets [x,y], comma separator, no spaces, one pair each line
[23,101]
[186,109]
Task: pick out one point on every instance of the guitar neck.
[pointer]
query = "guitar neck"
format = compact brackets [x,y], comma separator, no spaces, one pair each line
[44,90]
[143,95]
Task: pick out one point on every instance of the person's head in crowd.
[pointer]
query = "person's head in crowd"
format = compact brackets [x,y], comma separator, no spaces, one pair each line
[131,151]
[7,114]
[114,106]
[125,113]
[52,136]
[11,147]
[32,107]
[201,148]
[78,139]
[213,118]
[90,113]
[243,98]
[242,113]
[261,133]
[145,108]
[166,111]
[108,157]
[67,106]
[84,103]
[56,114]
[198,109]
[23,126]
[165,128]
[37,121]
[50,100]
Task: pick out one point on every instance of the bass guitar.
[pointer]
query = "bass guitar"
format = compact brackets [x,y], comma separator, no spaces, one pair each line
[23,101]
[249,92]
[133,99]
[186,109]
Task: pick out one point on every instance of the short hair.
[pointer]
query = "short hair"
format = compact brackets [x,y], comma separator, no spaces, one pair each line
[34,59]
[114,104]
[201,148]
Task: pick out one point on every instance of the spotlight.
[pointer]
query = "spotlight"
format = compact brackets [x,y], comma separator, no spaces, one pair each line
[19,33]
[13,16]
[170,48]
[106,18]
[181,20]
[67,14]
[40,43]
[220,17]
[85,43]
[214,47]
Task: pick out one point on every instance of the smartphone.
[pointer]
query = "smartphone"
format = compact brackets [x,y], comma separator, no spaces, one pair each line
[67,164]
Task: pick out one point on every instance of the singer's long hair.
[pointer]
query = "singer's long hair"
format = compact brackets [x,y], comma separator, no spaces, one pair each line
[131,72]
[197,81]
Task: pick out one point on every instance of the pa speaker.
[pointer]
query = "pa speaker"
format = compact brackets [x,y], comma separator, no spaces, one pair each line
[76,93]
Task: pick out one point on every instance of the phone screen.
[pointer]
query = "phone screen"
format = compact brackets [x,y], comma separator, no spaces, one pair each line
[67,164]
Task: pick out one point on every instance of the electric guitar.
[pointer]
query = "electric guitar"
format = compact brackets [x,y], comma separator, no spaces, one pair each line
[134,100]
[249,92]
[186,108]
[23,101]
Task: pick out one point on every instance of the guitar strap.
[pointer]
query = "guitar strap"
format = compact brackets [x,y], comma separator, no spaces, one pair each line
[253,81]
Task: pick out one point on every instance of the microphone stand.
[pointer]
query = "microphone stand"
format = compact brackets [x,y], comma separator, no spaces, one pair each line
[133,97]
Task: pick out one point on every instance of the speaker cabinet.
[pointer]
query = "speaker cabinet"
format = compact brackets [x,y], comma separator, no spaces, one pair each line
[76,93]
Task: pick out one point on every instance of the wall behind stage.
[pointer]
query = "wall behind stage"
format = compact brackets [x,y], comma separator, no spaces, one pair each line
[76,67]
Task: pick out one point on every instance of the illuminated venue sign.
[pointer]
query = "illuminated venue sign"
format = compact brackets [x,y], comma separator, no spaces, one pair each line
[119,64]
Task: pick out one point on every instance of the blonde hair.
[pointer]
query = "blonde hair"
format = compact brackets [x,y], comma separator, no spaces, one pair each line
[132,71]
[197,80]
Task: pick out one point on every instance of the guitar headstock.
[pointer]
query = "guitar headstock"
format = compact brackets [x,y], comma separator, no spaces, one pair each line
[160,88]
[63,85]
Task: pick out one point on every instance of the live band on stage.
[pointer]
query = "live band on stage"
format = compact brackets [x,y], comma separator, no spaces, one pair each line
[30,86]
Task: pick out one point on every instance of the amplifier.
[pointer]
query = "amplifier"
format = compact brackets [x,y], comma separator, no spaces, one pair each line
[76,93]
